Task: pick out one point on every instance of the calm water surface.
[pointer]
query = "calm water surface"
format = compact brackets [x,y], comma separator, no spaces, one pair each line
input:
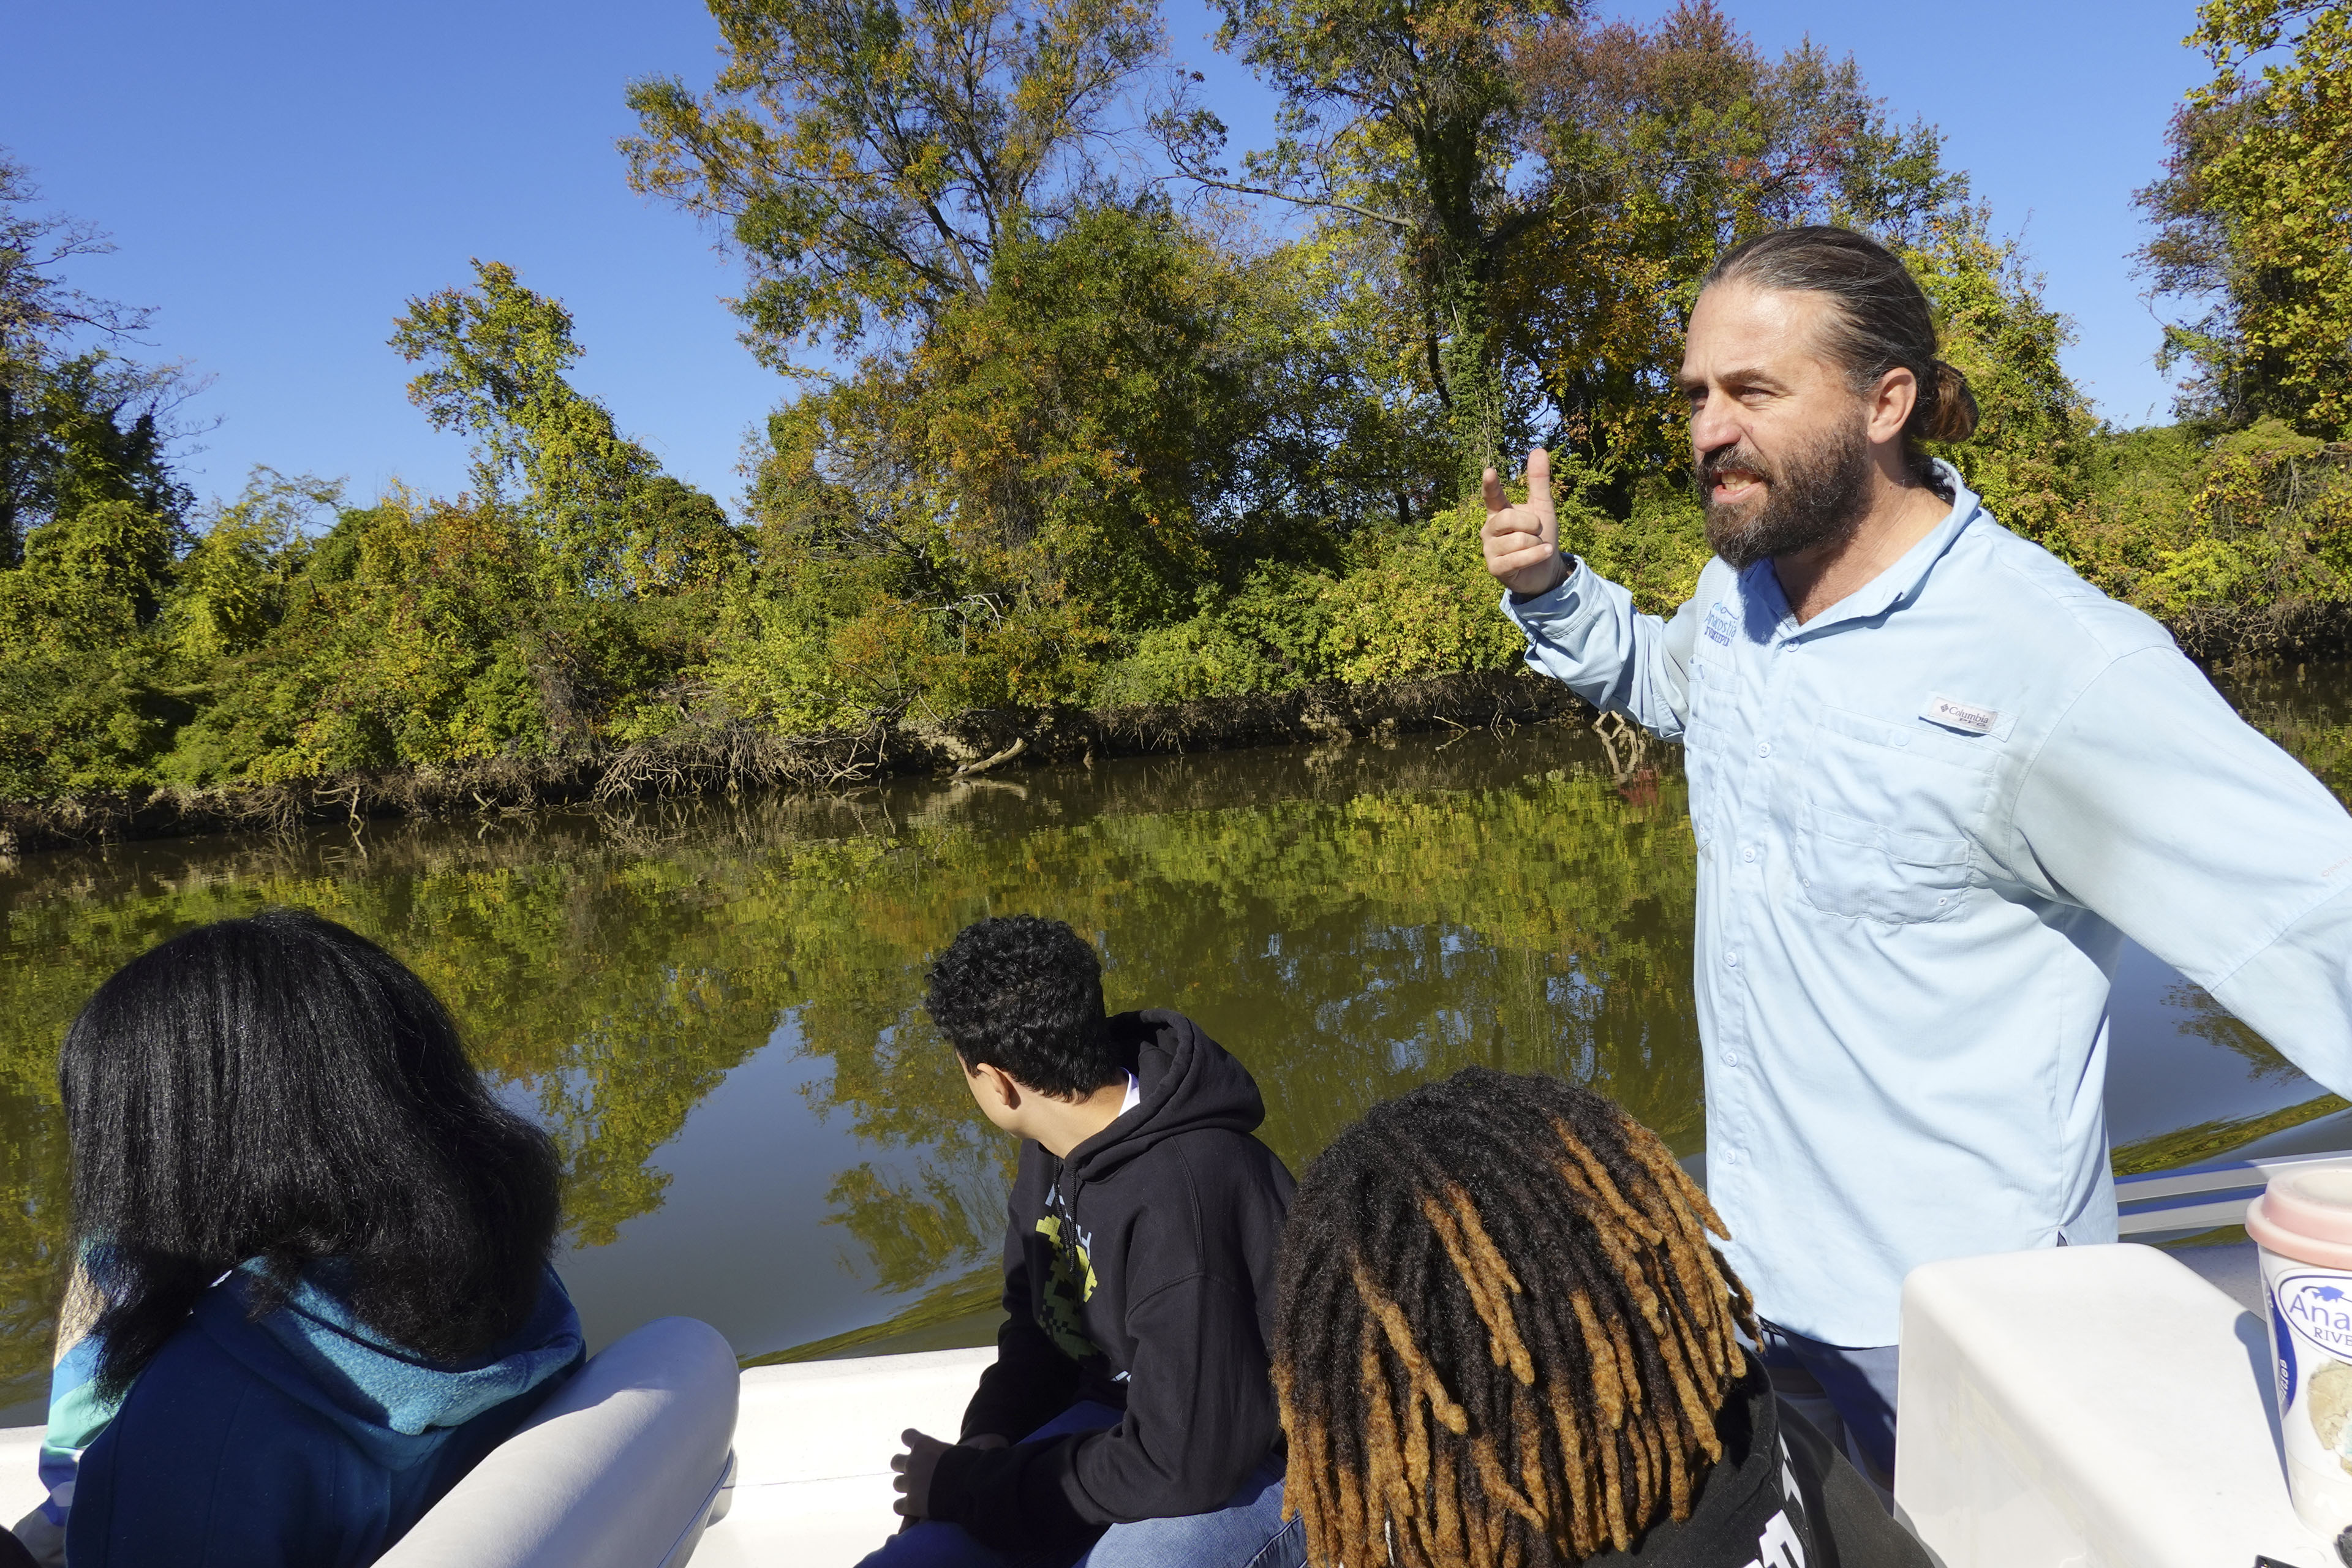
[715,1009]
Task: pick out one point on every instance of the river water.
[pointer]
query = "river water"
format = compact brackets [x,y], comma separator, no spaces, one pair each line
[714,1008]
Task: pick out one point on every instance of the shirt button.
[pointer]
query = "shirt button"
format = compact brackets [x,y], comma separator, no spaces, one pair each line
[1731,959]
[1748,853]
[1731,1156]
[1763,748]
[1731,1059]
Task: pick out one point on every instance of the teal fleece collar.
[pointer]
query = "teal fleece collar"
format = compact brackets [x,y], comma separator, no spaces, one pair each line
[395,1405]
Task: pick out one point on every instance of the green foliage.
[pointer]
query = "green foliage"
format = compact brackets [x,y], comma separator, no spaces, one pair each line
[83,699]
[806,651]
[236,583]
[1080,424]
[1131,423]
[870,157]
[1272,635]
[1654,151]
[1193,660]
[606,519]
[1656,552]
[79,425]
[1399,115]
[398,646]
[79,432]
[1408,604]
[1419,604]
[559,611]
[2254,217]
[2026,457]
[1080,443]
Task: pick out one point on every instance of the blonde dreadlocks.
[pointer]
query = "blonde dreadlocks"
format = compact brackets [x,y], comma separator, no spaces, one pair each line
[1501,1335]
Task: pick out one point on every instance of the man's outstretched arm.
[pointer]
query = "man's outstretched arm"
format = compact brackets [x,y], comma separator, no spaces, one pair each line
[2154,804]
[1582,629]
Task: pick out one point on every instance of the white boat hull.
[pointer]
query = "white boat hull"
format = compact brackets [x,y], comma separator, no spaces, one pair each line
[812,1449]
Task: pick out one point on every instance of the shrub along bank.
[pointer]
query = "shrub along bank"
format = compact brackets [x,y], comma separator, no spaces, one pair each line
[399,661]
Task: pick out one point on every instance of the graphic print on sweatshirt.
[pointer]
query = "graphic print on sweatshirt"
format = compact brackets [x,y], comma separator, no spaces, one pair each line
[1060,1312]
[1781,1543]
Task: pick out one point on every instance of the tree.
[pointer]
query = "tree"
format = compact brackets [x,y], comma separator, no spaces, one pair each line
[79,425]
[39,309]
[869,156]
[608,520]
[2253,217]
[1401,115]
[84,703]
[1656,150]
[1068,456]
[2027,459]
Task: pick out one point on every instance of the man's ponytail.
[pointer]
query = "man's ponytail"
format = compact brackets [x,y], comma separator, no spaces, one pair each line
[1947,409]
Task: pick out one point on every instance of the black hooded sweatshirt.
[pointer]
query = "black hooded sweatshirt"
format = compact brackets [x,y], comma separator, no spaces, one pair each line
[1138,1272]
[1781,1495]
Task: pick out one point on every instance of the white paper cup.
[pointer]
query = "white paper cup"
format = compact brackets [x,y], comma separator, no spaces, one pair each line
[2303,1223]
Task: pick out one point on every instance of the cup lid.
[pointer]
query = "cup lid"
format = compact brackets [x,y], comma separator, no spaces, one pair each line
[2314,1202]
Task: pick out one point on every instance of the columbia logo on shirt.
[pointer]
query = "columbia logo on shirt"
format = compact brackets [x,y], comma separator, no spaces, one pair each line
[1976,721]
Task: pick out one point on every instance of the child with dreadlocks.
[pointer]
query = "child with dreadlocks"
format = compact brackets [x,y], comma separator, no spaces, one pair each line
[1503,1339]
[1129,1420]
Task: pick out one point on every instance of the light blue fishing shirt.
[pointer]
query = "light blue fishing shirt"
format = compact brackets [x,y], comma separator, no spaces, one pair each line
[1926,821]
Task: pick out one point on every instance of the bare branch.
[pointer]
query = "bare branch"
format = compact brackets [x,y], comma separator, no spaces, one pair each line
[1329,203]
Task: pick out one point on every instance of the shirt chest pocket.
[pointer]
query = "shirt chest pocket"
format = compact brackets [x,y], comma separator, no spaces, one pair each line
[1882,819]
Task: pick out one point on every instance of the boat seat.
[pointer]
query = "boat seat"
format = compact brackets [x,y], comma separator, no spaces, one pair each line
[2089,1405]
[623,1466]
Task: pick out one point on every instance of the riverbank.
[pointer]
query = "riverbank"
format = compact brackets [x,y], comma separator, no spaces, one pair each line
[736,759]
[2301,701]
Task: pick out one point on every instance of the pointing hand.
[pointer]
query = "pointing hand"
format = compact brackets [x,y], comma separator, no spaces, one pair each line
[1522,543]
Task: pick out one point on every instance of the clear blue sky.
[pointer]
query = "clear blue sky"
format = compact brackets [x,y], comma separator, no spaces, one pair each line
[279,177]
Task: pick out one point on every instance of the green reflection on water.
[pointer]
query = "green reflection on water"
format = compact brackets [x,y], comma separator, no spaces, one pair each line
[1349,922]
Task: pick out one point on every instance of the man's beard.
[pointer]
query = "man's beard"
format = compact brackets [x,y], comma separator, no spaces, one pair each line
[1817,496]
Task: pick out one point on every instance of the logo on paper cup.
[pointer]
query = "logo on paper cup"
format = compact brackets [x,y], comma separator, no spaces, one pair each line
[2319,1308]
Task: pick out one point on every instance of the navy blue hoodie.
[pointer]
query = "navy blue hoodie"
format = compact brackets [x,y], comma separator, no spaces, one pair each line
[1138,1272]
[299,1440]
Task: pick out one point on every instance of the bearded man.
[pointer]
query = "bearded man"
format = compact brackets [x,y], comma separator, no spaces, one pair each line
[1936,779]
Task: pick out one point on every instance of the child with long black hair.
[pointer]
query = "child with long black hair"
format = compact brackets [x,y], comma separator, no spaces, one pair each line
[313,1249]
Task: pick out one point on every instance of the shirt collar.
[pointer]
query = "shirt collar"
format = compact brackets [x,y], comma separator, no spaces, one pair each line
[1891,589]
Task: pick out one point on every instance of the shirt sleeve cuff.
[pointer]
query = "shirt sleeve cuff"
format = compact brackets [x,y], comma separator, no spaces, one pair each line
[951,1484]
[2296,992]
[1565,602]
